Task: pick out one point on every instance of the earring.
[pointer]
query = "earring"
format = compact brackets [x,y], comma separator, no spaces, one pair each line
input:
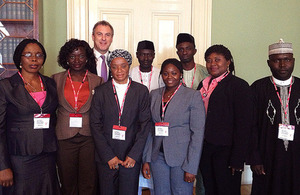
[68,63]
[20,66]
[86,61]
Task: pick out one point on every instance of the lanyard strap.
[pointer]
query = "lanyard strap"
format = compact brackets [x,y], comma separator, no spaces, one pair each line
[285,109]
[163,107]
[42,86]
[209,89]
[193,77]
[76,95]
[149,79]
[120,109]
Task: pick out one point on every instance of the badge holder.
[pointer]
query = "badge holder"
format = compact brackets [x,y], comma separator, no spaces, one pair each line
[119,132]
[75,120]
[41,121]
[162,129]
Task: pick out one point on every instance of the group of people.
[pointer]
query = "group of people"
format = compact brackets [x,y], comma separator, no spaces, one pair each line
[110,129]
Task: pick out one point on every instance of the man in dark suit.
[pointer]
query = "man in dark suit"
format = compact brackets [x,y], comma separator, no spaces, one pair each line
[102,36]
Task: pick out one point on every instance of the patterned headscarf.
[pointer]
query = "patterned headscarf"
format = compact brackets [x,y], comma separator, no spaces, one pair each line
[120,53]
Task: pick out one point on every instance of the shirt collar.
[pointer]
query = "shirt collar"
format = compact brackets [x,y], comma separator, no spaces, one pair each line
[218,79]
[98,54]
[282,83]
[120,85]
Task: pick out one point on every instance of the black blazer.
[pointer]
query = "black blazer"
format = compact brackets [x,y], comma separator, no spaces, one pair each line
[136,117]
[229,117]
[17,107]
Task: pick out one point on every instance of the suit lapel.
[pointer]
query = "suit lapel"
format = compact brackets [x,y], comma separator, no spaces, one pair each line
[21,95]
[173,104]
[61,92]
[156,107]
[111,97]
[51,92]
[87,104]
[130,97]
[219,87]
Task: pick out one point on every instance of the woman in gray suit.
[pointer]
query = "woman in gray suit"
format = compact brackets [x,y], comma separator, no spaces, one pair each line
[174,146]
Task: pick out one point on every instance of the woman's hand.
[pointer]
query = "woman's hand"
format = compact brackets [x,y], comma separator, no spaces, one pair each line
[6,178]
[129,162]
[114,163]
[258,169]
[188,177]
[233,170]
[146,170]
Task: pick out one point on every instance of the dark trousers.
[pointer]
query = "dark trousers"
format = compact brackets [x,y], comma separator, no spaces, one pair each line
[217,177]
[76,165]
[118,182]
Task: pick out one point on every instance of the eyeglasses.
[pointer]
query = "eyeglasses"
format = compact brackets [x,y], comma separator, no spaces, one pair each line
[37,55]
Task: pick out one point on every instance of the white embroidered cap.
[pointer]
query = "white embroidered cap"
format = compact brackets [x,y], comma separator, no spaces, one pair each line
[280,47]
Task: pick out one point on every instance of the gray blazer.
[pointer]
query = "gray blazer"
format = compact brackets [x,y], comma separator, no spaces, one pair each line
[186,116]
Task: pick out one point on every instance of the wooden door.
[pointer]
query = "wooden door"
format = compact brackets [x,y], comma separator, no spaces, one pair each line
[134,20]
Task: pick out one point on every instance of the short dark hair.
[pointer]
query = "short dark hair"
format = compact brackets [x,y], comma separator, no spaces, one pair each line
[69,47]
[20,48]
[173,61]
[104,23]
[221,49]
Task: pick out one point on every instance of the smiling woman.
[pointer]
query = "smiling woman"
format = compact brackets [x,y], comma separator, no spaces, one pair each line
[228,104]
[174,146]
[75,86]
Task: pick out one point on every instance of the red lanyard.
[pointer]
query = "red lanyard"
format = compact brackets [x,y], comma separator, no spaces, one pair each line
[117,100]
[163,107]
[76,95]
[42,86]
[285,109]
[193,77]
[149,79]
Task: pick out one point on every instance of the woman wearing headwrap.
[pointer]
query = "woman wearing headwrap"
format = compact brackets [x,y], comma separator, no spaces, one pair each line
[120,120]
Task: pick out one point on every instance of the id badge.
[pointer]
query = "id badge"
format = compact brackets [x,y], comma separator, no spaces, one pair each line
[119,132]
[286,132]
[41,121]
[162,129]
[75,120]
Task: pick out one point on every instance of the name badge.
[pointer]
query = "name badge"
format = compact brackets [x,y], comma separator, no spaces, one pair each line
[75,120]
[41,121]
[286,132]
[119,132]
[162,129]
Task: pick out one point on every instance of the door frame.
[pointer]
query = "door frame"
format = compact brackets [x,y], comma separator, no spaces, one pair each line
[78,13]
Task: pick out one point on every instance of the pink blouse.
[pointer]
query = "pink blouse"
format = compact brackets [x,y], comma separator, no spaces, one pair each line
[207,88]
[39,97]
